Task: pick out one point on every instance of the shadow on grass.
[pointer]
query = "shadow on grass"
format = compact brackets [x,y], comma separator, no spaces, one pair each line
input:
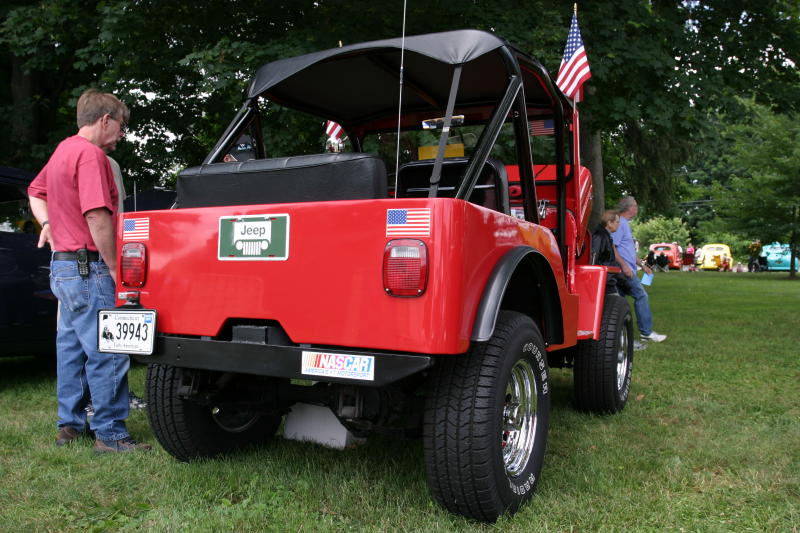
[26,370]
[31,369]
[562,389]
[382,465]
[352,489]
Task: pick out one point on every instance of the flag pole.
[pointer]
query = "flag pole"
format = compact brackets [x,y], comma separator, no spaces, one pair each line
[575,98]
[575,122]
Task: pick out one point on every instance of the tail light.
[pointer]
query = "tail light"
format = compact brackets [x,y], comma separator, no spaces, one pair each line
[134,264]
[405,267]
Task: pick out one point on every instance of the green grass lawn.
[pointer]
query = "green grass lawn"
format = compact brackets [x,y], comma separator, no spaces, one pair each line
[709,441]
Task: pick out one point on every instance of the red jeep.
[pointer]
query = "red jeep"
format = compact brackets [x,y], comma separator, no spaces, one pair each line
[422,282]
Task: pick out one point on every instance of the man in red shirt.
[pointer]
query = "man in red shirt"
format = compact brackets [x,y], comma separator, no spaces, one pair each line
[75,200]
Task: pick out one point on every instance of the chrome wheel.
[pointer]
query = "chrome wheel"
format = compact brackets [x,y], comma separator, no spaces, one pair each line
[622,359]
[519,418]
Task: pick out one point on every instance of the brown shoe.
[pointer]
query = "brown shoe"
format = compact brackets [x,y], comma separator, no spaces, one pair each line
[123,445]
[68,434]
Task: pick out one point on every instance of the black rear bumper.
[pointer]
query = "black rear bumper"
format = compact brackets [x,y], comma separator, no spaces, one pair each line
[275,361]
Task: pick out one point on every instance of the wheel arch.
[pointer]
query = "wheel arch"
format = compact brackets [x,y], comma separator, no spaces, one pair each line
[521,281]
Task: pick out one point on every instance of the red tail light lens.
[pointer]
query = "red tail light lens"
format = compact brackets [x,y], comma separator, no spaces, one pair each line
[134,264]
[405,267]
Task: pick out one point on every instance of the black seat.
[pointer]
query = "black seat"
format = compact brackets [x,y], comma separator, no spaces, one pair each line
[309,178]
[491,189]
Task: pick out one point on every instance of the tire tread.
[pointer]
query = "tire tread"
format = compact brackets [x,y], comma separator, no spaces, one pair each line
[595,371]
[456,425]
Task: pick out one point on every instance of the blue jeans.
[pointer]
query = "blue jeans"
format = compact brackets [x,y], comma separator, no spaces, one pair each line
[81,369]
[641,303]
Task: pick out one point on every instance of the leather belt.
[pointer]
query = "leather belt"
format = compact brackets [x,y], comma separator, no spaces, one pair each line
[73,256]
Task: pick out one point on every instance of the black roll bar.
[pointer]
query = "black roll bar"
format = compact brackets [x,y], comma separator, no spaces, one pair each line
[244,114]
[488,137]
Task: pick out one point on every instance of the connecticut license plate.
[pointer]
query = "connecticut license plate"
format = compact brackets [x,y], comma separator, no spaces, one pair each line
[126,331]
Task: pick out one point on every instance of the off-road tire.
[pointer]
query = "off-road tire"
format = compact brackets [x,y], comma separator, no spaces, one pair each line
[465,422]
[603,368]
[190,430]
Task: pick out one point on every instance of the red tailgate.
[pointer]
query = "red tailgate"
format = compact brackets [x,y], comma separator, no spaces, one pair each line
[329,290]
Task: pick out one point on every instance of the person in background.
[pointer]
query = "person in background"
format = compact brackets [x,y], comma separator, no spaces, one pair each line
[623,240]
[725,263]
[662,262]
[134,401]
[688,257]
[754,251]
[605,253]
[241,151]
[75,200]
[603,250]
[117,172]
[650,259]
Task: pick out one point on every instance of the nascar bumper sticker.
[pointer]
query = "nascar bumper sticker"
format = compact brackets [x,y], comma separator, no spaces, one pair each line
[339,365]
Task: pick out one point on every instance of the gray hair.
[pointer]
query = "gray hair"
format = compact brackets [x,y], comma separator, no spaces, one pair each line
[93,104]
[626,203]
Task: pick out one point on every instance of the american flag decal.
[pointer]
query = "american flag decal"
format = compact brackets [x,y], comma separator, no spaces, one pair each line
[408,222]
[135,229]
[542,127]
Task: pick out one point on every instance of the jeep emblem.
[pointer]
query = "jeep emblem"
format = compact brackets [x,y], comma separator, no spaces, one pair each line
[254,238]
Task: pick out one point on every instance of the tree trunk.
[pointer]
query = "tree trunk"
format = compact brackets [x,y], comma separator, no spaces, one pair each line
[23,118]
[591,151]
[592,158]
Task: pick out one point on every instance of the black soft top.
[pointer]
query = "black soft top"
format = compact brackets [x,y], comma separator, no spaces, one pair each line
[359,83]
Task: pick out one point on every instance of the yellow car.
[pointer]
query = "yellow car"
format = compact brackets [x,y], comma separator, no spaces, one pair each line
[714,257]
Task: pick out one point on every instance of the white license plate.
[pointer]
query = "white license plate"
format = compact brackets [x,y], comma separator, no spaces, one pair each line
[126,331]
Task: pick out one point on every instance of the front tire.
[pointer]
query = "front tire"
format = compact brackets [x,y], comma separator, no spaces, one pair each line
[190,430]
[486,421]
[604,368]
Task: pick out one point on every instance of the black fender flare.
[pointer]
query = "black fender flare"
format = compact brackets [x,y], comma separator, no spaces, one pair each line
[494,294]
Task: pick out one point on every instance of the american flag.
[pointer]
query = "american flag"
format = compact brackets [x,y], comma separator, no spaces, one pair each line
[574,69]
[333,130]
[542,127]
[135,229]
[408,222]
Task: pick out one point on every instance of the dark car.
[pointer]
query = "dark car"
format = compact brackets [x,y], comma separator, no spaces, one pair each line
[27,307]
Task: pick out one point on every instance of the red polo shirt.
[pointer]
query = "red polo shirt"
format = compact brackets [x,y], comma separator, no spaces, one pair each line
[75,180]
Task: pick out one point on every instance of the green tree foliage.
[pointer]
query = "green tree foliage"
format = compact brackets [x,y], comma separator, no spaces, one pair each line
[180,69]
[660,229]
[38,44]
[658,68]
[665,67]
[762,198]
[715,231]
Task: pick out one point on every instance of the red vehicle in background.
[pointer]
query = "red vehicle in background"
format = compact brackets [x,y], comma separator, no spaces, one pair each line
[672,251]
[411,296]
